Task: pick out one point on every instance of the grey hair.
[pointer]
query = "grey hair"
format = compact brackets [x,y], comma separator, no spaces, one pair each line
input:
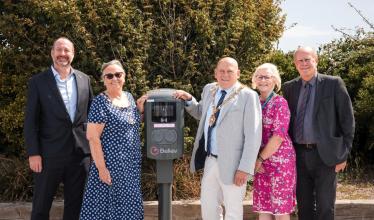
[112,62]
[274,73]
[311,50]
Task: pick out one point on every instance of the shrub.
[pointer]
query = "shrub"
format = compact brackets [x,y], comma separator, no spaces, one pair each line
[161,44]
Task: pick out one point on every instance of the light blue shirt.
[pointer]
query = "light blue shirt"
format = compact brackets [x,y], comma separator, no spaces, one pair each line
[68,91]
[213,143]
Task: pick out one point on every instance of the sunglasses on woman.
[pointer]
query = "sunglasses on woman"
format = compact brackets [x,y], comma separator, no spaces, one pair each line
[111,75]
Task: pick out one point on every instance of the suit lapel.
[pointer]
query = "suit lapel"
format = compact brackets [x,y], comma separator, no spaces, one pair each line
[209,98]
[80,83]
[227,106]
[295,95]
[51,82]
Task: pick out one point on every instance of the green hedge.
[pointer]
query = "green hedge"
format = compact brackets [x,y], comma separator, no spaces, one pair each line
[162,43]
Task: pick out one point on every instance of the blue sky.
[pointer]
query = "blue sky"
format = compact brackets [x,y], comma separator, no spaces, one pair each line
[315,17]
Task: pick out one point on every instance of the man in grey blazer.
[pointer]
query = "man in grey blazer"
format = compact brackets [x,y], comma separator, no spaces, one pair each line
[322,128]
[55,132]
[227,140]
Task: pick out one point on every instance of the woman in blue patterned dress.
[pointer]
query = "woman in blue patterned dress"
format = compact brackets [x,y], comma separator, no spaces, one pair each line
[113,187]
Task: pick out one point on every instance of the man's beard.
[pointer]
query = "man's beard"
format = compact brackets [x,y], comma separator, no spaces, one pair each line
[63,61]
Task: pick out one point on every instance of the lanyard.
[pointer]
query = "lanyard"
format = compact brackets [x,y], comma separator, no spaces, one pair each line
[267,100]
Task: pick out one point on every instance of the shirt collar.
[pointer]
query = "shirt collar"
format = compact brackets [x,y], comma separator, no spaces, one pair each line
[227,90]
[56,74]
[312,82]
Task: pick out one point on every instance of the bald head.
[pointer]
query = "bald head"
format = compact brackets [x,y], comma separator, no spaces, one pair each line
[227,72]
[229,60]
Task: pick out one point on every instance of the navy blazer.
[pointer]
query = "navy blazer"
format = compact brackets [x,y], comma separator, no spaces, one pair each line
[48,130]
[333,118]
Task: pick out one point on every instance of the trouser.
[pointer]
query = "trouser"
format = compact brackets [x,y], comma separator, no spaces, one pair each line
[214,193]
[72,172]
[316,186]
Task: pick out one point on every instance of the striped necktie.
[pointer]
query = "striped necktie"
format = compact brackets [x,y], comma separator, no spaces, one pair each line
[299,126]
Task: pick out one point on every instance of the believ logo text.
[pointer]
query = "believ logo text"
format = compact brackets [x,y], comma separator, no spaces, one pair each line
[156,151]
[167,151]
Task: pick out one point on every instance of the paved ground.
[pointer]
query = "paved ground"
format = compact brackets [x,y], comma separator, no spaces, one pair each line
[190,210]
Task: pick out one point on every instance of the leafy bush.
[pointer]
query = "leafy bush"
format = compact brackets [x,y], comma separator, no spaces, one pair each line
[352,58]
[163,43]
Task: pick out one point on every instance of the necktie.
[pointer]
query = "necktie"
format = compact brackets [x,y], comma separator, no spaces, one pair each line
[299,127]
[208,147]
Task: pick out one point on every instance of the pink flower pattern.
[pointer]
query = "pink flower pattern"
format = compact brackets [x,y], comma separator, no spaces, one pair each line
[274,191]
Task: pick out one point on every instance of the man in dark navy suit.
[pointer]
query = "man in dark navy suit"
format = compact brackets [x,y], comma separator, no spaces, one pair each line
[55,135]
[322,128]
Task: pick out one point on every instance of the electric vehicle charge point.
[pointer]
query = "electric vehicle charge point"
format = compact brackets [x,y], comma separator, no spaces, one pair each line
[164,122]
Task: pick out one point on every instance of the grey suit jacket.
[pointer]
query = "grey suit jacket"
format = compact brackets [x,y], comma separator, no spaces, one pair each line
[239,132]
[333,118]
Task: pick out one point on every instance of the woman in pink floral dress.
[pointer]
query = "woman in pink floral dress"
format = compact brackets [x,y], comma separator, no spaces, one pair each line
[274,186]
